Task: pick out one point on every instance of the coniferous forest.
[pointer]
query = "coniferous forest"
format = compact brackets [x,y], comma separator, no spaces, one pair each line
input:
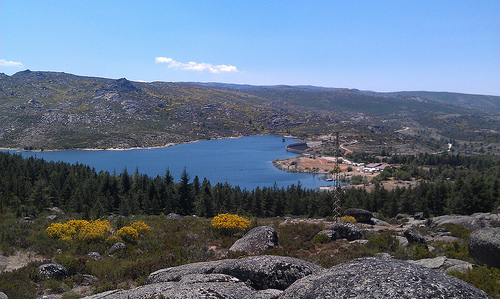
[446,184]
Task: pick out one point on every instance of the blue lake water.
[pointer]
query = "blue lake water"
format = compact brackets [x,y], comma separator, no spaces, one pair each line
[244,162]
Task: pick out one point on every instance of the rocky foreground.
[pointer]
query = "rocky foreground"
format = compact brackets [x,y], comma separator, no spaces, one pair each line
[285,277]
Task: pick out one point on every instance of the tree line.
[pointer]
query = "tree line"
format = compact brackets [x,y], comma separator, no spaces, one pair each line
[447,184]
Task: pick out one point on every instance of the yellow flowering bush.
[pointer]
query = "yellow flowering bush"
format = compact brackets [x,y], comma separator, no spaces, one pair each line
[128,234]
[96,230]
[348,219]
[61,231]
[230,222]
[141,227]
[80,229]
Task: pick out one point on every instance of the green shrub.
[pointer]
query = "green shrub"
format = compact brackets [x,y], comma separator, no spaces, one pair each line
[484,278]
[383,241]
[322,238]
[420,251]
[458,231]
[455,250]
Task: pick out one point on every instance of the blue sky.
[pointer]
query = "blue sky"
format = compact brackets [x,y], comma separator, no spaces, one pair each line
[370,45]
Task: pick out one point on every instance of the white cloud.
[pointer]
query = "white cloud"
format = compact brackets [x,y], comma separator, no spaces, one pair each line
[4,62]
[200,67]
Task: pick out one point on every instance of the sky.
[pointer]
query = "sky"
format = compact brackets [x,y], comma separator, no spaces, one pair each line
[381,45]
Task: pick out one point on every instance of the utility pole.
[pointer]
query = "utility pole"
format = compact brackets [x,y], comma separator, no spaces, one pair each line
[336,180]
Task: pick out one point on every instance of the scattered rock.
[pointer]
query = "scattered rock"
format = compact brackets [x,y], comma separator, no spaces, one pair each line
[484,246]
[330,233]
[381,278]
[402,216]
[257,240]
[55,210]
[443,264]
[173,216]
[261,272]
[360,214]
[403,242]
[346,230]
[52,271]
[465,221]
[414,236]
[94,255]
[419,216]
[88,280]
[379,222]
[118,246]
[51,217]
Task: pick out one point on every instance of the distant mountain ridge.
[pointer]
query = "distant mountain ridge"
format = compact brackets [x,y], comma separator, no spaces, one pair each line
[59,110]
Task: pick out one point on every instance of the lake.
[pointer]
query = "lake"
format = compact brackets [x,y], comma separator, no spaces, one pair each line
[244,162]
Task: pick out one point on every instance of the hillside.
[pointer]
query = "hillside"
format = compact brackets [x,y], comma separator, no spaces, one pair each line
[51,110]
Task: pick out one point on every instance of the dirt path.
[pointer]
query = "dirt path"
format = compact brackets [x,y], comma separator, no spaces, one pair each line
[18,260]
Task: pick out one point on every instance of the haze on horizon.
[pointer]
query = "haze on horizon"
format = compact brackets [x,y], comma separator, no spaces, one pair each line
[449,46]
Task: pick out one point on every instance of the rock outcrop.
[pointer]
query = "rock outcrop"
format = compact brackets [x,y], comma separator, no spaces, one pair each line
[444,264]
[94,255]
[346,230]
[381,278]
[484,246]
[360,214]
[3,296]
[52,271]
[257,240]
[118,246]
[414,236]
[465,221]
[260,272]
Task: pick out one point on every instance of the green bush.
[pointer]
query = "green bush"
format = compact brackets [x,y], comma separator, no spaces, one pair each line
[322,238]
[458,231]
[383,241]
[484,278]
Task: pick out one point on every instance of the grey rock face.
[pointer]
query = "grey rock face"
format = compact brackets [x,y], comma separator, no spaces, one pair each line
[260,272]
[257,240]
[3,296]
[118,246]
[53,270]
[346,230]
[443,264]
[360,214]
[180,290]
[381,278]
[414,236]
[484,246]
[465,221]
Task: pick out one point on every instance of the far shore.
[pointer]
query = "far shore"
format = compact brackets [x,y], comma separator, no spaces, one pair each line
[132,148]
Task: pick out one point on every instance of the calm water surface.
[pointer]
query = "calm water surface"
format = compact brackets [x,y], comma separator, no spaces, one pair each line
[244,162]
